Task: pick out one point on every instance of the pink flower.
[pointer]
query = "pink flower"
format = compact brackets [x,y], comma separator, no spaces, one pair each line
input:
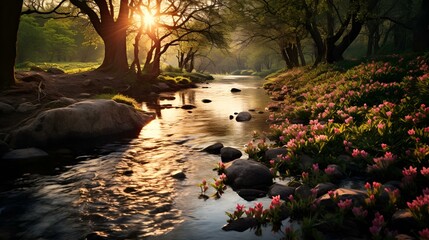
[355,153]
[349,120]
[377,224]
[359,212]
[346,204]
[291,198]
[424,234]
[330,170]
[222,177]
[389,114]
[316,168]
[381,126]
[275,202]
[411,132]
[384,146]
[425,171]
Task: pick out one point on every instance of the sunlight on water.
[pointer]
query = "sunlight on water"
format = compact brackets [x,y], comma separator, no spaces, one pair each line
[125,190]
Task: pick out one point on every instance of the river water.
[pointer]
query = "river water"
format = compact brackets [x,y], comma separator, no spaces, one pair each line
[124,189]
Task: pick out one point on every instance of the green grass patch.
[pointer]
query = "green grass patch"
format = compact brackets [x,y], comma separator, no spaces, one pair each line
[68,67]
[120,98]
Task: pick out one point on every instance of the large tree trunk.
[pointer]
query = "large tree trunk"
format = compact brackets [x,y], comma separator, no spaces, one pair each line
[421,28]
[115,50]
[9,22]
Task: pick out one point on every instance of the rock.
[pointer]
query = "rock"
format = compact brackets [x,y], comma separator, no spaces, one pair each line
[335,172]
[178,175]
[54,70]
[235,90]
[324,188]
[248,174]
[85,95]
[94,236]
[214,148]
[228,154]
[403,221]
[88,119]
[4,148]
[206,101]
[274,153]
[36,69]
[128,173]
[358,197]
[130,189]
[188,106]
[282,190]
[303,191]
[27,107]
[241,224]
[33,78]
[25,154]
[231,117]
[306,161]
[6,108]
[162,87]
[88,83]
[260,112]
[243,117]
[62,102]
[166,97]
[251,194]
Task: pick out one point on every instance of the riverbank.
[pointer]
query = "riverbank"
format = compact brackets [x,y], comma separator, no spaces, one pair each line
[356,137]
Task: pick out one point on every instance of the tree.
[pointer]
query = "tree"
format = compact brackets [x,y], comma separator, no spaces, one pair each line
[9,23]
[167,23]
[112,29]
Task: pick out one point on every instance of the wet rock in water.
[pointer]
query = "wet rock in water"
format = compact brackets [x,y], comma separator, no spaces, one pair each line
[130,189]
[282,190]
[166,97]
[206,101]
[251,194]
[228,154]
[248,174]
[128,173]
[189,111]
[240,225]
[6,108]
[235,113]
[27,107]
[188,106]
[231,117]
[25,154]
[94,236]
[178,175]
[243,117]
[324,188]
[252,110]
[83,120]
[274,153]
[235,90]
[214,148]
[261,112]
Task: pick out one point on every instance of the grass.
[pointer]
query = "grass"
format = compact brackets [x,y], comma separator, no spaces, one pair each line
[68,67]
[119,98]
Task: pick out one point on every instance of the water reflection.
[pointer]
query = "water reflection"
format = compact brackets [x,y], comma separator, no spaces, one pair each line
[125,190]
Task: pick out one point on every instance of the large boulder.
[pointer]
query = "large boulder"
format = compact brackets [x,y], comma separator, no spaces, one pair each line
[248,174]
[88,119]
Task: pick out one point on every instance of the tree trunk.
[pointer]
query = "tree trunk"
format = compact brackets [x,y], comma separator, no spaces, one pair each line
[421,28]
[115,50]
[300,52]
[10,14]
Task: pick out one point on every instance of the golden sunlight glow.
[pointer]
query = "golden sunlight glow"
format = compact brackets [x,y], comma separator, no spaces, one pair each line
[149,19]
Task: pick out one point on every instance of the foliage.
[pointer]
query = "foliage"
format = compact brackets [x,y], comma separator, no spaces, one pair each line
[119,98]
[369,119]
[68,67]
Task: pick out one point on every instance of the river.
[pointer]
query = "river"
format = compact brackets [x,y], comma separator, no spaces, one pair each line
[124,189]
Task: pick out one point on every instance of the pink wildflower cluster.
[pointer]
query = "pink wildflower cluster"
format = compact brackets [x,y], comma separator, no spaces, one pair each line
[377,224]
[409,174]
[384,161]
[345,205]
[419,207]
[359,153]
[424,234]
[359,212]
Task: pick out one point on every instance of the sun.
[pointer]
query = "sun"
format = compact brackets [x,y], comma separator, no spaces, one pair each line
[149,19]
